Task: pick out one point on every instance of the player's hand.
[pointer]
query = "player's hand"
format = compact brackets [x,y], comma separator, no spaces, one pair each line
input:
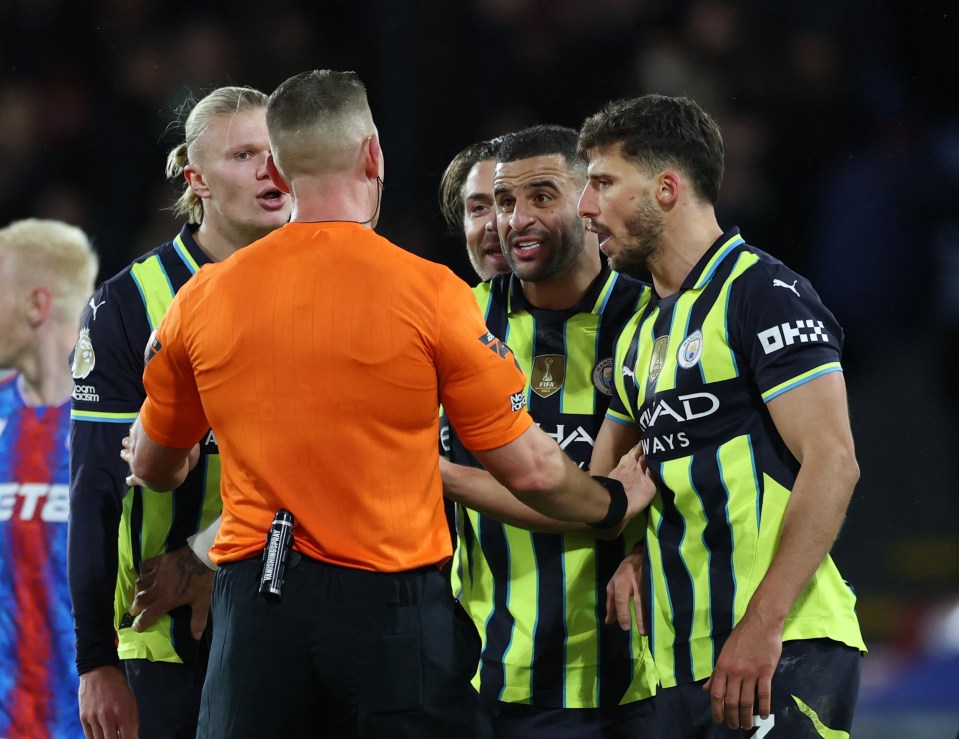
[625,587]
[107,707]
[177,578]
[741,683]
[126,454]
[640,488]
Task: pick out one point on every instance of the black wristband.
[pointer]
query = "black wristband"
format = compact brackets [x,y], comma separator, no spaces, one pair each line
[618,503]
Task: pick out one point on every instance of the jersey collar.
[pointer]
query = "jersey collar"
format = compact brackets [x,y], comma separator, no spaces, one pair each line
[189,251]
[594,301]
[702,273]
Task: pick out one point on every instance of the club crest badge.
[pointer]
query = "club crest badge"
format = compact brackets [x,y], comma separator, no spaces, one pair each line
[690,350]
[84,358]
[548,374]
[658,359]
[603,376]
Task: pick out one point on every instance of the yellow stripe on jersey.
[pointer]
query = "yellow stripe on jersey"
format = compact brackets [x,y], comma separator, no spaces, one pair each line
[153,644]
[520,330]
[155,288]
[722,365]
[582,645]
[737,472]
[518,657]
[578,394]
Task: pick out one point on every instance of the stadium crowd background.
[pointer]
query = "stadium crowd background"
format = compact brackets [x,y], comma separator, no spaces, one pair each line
[841,123]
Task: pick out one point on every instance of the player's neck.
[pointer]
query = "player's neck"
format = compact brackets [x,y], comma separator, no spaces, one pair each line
[218,242]
[44,376]
[685,241]
[564,290]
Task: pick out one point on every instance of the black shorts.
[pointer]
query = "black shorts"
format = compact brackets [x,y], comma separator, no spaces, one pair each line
[345,653]
[814,689]
[520,721]
[167,695]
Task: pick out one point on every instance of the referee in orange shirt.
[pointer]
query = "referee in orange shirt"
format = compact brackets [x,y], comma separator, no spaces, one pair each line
[319,355]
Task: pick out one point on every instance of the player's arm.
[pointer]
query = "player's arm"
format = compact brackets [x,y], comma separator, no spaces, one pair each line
[612,442]
[543,477]
[813,421]
[477,489]
[625,586]
[154,465]
[106,398]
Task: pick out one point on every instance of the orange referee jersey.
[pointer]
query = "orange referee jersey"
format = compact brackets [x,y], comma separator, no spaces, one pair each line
[319,355]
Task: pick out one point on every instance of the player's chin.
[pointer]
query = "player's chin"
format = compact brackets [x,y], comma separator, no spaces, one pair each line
[495,263]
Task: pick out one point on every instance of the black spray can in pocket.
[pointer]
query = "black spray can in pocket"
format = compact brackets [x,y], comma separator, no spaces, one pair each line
[276,555]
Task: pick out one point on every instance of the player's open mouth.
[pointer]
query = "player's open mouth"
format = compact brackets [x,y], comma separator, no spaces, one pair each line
[602,234]
[272,199]
[526,248]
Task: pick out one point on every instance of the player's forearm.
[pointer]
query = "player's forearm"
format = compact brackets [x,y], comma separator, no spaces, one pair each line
[478,489]
[814,515]
[158,467]
[540,474]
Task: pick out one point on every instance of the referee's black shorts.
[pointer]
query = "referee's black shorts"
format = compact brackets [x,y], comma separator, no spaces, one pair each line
[345,653]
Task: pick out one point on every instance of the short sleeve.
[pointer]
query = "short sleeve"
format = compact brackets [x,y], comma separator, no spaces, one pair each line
[172,413]
[785,333]
[481,387]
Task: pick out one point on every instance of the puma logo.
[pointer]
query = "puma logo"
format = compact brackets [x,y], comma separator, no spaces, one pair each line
[95,307]
[780,283]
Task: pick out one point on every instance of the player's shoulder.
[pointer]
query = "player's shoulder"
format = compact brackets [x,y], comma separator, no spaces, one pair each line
[763,273]
[122,282]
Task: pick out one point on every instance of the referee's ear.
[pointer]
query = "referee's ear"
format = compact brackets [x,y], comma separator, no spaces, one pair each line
[374,158]
[276,176]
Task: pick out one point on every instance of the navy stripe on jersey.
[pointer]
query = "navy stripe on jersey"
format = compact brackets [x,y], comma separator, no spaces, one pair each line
[616,675]
[549,662]
[499,630]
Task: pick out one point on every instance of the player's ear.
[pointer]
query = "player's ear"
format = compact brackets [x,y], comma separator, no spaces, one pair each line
[41,303]
[194,178]
[668,185]
[276,176]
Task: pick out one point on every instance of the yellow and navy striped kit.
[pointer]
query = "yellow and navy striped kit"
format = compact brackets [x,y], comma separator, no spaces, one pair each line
[538,600]
[108,392]
[694,372]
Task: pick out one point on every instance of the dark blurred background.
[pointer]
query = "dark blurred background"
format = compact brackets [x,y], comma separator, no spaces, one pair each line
[841,121]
